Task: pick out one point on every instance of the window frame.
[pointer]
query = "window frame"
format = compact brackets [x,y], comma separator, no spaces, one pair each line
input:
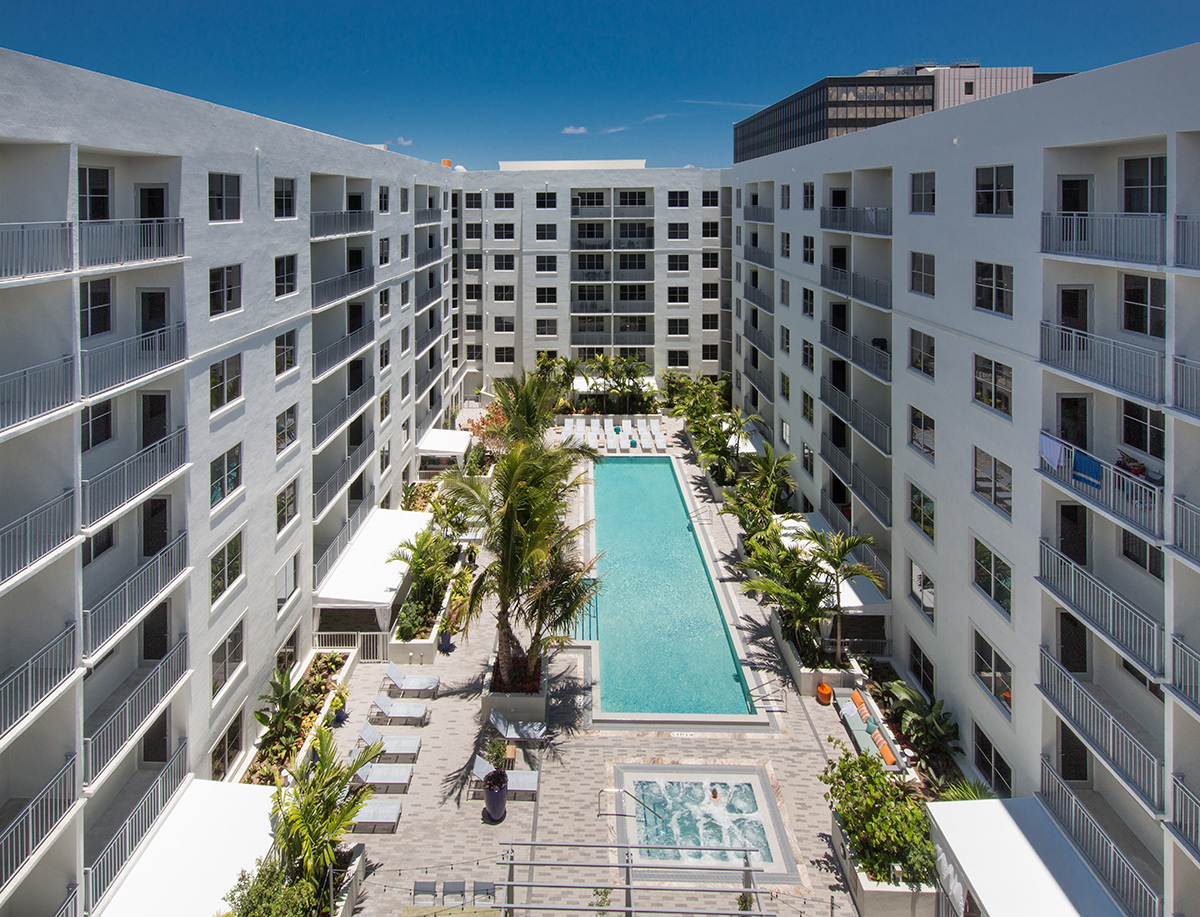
[232,650]
[285,352]
[286,432]
[987,380]
[922,278]
[923,199]
[224,202]
[221,477]
[229,385]
[991,670]
[228,562]
[994,288]
[224,290]
[994,190]
[989,489]
[986,563]
[922,511]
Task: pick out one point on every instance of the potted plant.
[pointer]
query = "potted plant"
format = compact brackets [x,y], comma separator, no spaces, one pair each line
[337,706]
[495,784]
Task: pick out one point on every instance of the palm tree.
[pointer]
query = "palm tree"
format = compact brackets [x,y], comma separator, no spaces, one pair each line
[629,373]
[833,551]
[560,594]
[770,476]
[604,367]
[794,582]
[528,402]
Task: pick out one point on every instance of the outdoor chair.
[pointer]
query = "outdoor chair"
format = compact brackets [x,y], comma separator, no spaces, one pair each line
[398,684]
[517,732]
[385,778]
[520,783]
[396,749]
[389,712]
[425,889]
[454,893]
[379,815]
[483,890]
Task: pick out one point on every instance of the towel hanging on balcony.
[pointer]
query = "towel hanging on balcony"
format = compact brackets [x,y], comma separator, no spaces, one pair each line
[1087,470]
[1053,452]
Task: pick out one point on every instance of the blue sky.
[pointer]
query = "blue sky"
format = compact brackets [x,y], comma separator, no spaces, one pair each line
[482,82]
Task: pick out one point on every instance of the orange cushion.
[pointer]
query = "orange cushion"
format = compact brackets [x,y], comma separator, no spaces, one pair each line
[886,754]
[857,698]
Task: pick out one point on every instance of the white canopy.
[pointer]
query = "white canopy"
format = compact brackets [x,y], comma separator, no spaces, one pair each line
[858,595]
[444,442]
[363,577]
[226,825]
[1015,861]
[584,384]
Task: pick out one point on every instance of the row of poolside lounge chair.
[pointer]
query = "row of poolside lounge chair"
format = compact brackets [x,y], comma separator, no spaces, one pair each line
[642,434]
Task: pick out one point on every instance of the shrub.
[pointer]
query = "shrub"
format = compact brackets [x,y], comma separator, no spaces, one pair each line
[269,893]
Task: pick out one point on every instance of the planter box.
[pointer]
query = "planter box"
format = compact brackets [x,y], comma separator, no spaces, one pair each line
[423,651]
[880,899]
[806,680]
[356,871]
[517,708]
[342,677]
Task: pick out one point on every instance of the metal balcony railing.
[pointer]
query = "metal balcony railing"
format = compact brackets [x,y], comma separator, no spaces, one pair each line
[633,338]
[1187,528]
[428,256]
[29,393]
[634,242]
[758,338]
[99,877]
[1116,869]
[115,364]
[27,540]
[426,215]
[1185,673]
[323,224]
[1185,813]
[590,306]
[835,339]
[759,380]
[426,338]
[332,289]
[1187,385]
[342,411]
[634,306]
[590,244]
[427,378]
[835,399]
[1137,237]
[591,338]
[1103,484]
[34,823]
[758,213]
[132,596]
[426,297]
[836,279]
[104,242]
[761,256]
[591,213]
[873,359]
[759,298]
[340,350]
[1187,241]
[633,211]
[1127,367]
[341,540]
[727,210]
[877,431]
[70,905]
[596,276]
[27,249]
[1140,767]
[633,275]
[874,557]
[109,737]
[837,459]
[871,290]
[874,220]
[127,480]
[859,646]
[341,477]
[878,499]
[1131,628]
[26,686]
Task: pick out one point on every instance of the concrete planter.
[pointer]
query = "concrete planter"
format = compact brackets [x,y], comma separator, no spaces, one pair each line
[425,650]
[806,679]
[879,899]
[356,872]
[517,708]
[341,678]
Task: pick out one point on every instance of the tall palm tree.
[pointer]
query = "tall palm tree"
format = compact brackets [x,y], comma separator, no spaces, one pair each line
[794,582]
[833,550]
[603,366]
[770,475]
[564,587]
[528,402]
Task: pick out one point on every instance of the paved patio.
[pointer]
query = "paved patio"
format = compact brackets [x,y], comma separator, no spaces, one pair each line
[443,835]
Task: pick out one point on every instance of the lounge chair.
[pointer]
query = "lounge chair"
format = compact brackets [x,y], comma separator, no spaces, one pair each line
[643,430]
[454,893]
[397,713]
[398,684]
[568,428]
[655,426]
[425,889]
[396,749]
[660,442]
[379,815]
[483,890]
[595,425]
[385,778]
[624,440]
[520,783]
[593,440]
[517,732]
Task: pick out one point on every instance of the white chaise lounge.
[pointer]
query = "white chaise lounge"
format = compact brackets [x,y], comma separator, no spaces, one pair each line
[520,783]
[398,684]
[385,778]
[396,749]
[387,711]
[380,815]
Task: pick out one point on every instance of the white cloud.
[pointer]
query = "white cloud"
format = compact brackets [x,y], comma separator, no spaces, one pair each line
[574,130]
[401,141]
[613,130]
[721,103]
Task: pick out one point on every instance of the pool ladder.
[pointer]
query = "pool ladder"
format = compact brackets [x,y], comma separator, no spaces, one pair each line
[701,516]
[771,696]
[600,813]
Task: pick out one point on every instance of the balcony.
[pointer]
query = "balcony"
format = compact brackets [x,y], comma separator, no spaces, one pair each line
[598,276]
[875,221]
[1133,631]
[104,368]
[30,393]
[1087,709]
[427,378]
[342,412]
[633,275]
[135,476]
[591,338]
[1128,368]
[342,349]
[633,212]
[324,494]
[758,338]
[758,213]
[105,242]
[329,223]
[877,499]
[1185,820]
[835,279]
[1185,674]
[28,249]
[633,338]
[634,306]
[835,339]
[835,399]
[836,458]
[876,558]
[426,339]
[1116,869]
[427,297]
[634,243]
[759,380]
[30,683]
[99,877]
[342,286]
[108,617]
[1186,531]
[602,212]
[591,244]
[868,356]
[1187,241]
[1137,237]
[428,256]
[1187,386]
[130,707]
[35,820]
[760,256]
[36,534]
[70,905]
[759,298]
[871,290]
[427,215]
[590,307]
[1103,485]
[329,556]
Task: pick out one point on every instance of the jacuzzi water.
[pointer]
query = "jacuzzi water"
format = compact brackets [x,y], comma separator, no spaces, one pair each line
[688,815]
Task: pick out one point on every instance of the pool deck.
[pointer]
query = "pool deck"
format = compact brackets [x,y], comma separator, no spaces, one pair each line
[442,834]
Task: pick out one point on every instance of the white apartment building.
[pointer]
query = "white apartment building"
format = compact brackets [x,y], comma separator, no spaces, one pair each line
[977,329]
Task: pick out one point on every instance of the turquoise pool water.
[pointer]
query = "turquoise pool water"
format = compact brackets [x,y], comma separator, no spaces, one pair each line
[687,814]
[663,644]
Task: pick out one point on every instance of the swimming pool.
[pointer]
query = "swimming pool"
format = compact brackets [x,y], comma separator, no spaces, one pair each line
[663,644]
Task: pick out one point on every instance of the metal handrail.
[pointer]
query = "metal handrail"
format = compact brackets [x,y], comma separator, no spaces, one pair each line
[34,823]
[328,357]
[1137,237]
[1187,241]
[1187,385]
[104,242]
[427,378]
[425,297]
[342,539]
[35,248]
[758,297]
[837,458]
[426,338]
[342,411]
[758,213]
[128,479]
[616,791]
[877,559]
[761,256]
[1185,671]
[759,380]
[27,540]
[876,430]
[133,595]
[26,686]
[340,222]
[29,393]
[835,339]
[1185,812]
[70,905]
[102,368]
[341,477]
[873,359]
[1127,367]
[332,289]
[425,215]
[758,338]
[428,256]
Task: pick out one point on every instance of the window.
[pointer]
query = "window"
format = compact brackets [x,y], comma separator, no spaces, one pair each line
[285,429]
[785,387]
[677,358]
[227,749]
[710,229]
[806,406]
[546,200]
[225,567]
[993,384]
[383,199]
[677,198]
[992,766]
[385,251]
[739,198]
[923,192]
[285,198]
[1142,553]
[677,230]
[994,287]
[807,458]
[710,291]
[921,351]
[385,302]
[286,658]
[473,231]
[94,192]
[922,273]
[785,197]
[546,327]
[993,481]
[285,275]
[677,326]
[920,667]
[921,590]
[808,357]
[710,321]
[472,292]
[993,671]
[1146,184]
[404,200]
[785,432]
[785,245]
[505,324]
[504,262]
[710,198]
[504,354]
[994,191]
[96,424]
[737,230]
[99,543]
[993,576]
[920,510]
[1143,429]
[404,290]
[385,405]
[630,292]
[920,432]
[473,261]
[546,264]
[1145,305]
[405,385]
[546,231]
[710,260]
[385,457]
[677,262]
[285,505]
[225,475]
[631,198]
[809,253]
[385,353]
[473,322]
[224,382]
[226,658]
[504,293]
[224,197]
[785,339]
[547,294]
[474,351]
[285,352]
[473,200]
[503,231]
[710,351]
[502,200]
[808,306]
[95,307]
[224,289]
[677,294]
